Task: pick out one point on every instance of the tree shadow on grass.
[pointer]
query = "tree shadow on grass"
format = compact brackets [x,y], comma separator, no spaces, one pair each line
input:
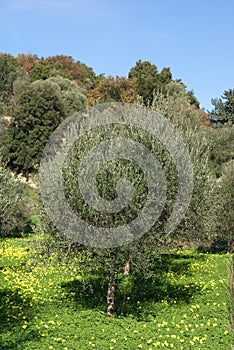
[12,309]
[137,295]
[148,296]
[89,293]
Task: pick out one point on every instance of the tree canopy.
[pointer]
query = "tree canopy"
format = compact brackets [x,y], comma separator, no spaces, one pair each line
[8,74]
[149,79]
[224,106]
[119,89]
[40,110]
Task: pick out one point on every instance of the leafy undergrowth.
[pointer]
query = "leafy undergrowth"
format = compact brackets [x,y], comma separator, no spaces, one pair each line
[45,305]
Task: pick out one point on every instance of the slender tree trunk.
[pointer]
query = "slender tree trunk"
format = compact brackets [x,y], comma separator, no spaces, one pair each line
[111,296]
[127,268]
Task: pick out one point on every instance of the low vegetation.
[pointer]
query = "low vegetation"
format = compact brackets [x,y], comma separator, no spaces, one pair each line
[47,304]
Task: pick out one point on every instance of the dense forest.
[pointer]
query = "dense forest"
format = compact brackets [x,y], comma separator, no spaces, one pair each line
[37,94]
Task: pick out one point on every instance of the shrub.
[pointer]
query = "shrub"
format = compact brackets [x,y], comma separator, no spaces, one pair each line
[14,205]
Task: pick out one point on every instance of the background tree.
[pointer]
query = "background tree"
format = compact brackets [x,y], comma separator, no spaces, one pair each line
[39,112]
[192,99]
[224,106]
[149,79]
[175,103]
[21,83]
[66,67]
[14,205]
[89,79]
[45,69]
[111,89]
[146,75]
[221,149]
[67,64]
[27,62]
[8,74]
[164,78]
[72,95]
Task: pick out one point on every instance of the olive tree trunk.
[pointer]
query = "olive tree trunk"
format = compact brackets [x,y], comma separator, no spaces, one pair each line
[127,268]
[111,296]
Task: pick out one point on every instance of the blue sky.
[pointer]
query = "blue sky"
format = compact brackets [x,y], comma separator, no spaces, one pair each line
[194,38]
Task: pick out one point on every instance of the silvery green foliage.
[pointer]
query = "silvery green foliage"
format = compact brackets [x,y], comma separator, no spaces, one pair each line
[63,164]
[72,95]
[110,173]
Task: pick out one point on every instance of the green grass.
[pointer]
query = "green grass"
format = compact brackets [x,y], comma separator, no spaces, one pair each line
[44,305]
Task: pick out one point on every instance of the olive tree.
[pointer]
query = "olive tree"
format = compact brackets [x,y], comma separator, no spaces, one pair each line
[131,251]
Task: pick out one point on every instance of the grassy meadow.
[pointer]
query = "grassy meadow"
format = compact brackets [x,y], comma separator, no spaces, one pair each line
[45,304]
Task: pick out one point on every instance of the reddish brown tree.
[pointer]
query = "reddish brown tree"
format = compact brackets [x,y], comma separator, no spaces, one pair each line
[119,89]
[27,62]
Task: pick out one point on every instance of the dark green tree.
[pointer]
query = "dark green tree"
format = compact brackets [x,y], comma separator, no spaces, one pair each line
[149,79]
[224,106]
[40,110]
[8,74]
[44,69]
[146,74]
[164,77]
[192,99]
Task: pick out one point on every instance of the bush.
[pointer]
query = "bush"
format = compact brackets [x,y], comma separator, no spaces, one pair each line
[14,205]
[224,209]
